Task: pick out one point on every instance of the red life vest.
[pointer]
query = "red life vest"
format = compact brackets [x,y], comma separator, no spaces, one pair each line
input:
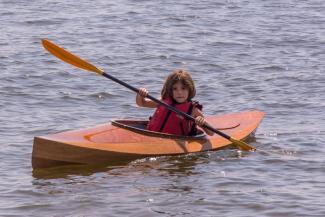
[167,121]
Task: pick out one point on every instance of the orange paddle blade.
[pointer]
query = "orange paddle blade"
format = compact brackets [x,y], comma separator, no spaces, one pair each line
[70,58]
[242,145]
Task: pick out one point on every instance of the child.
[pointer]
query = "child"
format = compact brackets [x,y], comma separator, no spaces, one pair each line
[178,92]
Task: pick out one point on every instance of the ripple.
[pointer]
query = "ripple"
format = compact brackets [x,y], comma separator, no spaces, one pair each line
[264,55]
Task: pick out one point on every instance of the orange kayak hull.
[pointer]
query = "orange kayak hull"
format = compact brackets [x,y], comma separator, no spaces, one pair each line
[124,140]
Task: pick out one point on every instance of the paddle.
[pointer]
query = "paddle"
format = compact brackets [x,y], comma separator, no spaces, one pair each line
[83,64]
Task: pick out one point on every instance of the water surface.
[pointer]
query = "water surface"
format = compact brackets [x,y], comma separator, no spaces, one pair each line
[243,55]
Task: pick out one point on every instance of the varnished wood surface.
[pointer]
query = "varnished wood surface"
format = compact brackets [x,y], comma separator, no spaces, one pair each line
[108,143]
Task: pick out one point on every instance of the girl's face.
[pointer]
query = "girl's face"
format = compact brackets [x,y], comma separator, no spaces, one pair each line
[180,92]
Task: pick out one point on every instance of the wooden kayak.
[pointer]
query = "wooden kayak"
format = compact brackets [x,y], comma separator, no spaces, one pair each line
[128,140]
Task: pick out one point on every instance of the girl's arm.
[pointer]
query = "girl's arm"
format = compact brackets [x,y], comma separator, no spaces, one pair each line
[142,101]
[199,120]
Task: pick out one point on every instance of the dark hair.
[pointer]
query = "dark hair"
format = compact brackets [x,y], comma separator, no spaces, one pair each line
[182,76]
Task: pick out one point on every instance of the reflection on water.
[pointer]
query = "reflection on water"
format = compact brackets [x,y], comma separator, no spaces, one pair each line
[65,171]
[180,165]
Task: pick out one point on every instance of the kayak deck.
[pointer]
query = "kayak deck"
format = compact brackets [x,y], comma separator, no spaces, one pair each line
[128,140]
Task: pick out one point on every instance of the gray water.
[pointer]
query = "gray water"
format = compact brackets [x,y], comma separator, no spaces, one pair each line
[243,55]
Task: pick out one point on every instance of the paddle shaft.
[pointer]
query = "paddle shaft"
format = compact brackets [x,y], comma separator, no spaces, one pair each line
[165,104]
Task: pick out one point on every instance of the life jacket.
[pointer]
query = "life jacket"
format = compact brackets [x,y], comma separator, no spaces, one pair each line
[167,121]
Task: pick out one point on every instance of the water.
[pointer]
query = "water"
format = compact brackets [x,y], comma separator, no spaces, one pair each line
[266,55]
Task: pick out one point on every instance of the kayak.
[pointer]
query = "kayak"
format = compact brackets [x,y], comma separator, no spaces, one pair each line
[123,140]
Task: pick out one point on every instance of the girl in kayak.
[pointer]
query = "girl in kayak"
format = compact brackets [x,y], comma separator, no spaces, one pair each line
[178,91]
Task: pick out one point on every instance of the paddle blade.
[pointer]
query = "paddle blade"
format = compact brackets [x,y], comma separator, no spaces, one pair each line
[69,57]
[242,145]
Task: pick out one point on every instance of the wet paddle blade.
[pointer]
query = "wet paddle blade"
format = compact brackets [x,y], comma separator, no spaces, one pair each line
[69,57]
[242,145]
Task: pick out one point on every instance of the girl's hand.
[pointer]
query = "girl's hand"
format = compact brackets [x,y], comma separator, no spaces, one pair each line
[199,120]
[143,92]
